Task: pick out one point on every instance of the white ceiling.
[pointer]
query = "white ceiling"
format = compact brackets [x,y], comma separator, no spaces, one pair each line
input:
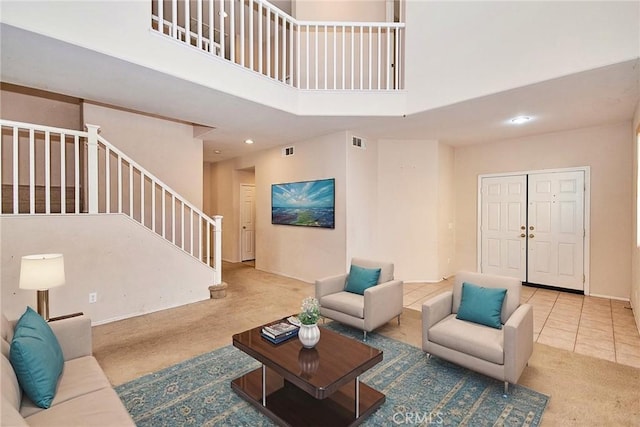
[596,97]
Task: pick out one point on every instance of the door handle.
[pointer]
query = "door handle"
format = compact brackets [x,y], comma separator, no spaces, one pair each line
[523,235]
[522,227]
[244,228]
[531,236]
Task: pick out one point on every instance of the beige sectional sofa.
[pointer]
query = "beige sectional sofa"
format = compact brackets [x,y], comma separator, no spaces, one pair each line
[84,396]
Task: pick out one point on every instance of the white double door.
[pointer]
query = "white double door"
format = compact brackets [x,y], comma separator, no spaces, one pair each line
[532,227]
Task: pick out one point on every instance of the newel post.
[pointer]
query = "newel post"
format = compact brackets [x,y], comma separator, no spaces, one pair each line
[92,167]
[217,251]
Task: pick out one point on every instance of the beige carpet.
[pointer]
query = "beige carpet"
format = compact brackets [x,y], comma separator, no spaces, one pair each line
[583,390]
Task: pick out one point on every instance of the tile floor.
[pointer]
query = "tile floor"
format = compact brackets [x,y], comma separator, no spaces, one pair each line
[598,327]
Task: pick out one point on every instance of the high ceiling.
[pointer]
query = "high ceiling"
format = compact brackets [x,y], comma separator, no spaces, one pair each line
[591,98]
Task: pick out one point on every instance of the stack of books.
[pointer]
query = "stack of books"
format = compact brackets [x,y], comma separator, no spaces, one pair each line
[279,331]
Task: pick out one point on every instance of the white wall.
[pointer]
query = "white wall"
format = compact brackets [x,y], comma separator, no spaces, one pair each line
[165,148]
[394,201]
[446,212]
[362,199]
[408,207]
[605,149]
[635,250]
[454,50]
[462,50]
[132,270]
[306,253]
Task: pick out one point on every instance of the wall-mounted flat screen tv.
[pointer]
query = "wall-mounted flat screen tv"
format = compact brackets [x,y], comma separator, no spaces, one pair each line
[305,203]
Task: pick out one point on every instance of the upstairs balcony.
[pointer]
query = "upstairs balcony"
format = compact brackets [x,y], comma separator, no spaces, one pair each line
[311,55]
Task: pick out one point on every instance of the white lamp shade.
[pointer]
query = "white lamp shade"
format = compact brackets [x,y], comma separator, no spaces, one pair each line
[44,271]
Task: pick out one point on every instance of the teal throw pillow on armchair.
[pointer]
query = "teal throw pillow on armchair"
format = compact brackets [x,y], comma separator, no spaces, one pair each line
[36,358]
[481,305]
[361,278]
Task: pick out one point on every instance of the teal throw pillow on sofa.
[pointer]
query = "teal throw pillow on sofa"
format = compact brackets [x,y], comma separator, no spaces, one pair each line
[361,278]
[481,305]
[36,357]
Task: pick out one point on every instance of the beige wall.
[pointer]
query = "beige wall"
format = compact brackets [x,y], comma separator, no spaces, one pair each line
[340,10]
[32,106]
[165,148]
[394,201]
[222,188]
[132,270]
[305,253]
[408,207]
[635,251]
[605,149]
[446,213]
[44,108]
[361,199]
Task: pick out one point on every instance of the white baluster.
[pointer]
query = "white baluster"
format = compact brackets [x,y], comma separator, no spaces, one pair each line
[260,37]
[242,41]
[107,179]
[174,18]
[92,167]
[63,172]
[232,31]
[32,172]
[217,252]
[16,177]
[47,172]
[153,205]
[221,13]
[120,189]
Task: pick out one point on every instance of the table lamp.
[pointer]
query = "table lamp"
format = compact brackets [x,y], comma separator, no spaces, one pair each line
[42,272]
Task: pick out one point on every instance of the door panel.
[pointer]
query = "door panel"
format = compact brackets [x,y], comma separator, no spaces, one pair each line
[556,229]
[503,214]
[247,222]
[551,208]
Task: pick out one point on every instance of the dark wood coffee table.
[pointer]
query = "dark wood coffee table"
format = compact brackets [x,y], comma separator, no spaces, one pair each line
[306,387]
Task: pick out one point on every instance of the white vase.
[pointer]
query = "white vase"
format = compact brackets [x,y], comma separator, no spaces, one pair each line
[309,335]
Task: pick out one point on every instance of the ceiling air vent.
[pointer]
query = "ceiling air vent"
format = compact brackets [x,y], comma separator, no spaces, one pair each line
[357,142]
[287,151]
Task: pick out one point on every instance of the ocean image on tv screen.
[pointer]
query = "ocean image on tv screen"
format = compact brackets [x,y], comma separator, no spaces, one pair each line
[309,203]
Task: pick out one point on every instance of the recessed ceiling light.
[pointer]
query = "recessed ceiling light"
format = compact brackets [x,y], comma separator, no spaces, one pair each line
[520,120]
[248,141]
[218,152]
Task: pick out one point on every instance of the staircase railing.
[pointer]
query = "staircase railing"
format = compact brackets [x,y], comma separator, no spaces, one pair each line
[48,170]
[304,54]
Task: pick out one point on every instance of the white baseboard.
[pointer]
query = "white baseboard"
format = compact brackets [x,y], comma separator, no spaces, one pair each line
[610,297]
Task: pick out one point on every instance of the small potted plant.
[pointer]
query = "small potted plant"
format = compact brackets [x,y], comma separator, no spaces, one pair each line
[309,333]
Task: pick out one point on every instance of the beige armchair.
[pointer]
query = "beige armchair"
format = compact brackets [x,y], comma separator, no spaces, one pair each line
[375,307]
[498,353]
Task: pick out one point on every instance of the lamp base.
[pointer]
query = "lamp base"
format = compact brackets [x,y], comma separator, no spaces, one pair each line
[43,304]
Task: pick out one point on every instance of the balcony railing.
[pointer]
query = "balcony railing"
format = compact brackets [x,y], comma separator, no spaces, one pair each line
[302,54]
[49,170]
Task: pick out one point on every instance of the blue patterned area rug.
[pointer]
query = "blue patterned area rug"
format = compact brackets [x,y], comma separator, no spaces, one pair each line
[419,391]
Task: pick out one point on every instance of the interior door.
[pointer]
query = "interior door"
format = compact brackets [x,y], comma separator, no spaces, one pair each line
[247,222]
[532,227]
[556,230]
[503,223]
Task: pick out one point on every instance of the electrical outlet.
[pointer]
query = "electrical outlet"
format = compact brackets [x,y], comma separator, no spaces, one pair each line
[93,297]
